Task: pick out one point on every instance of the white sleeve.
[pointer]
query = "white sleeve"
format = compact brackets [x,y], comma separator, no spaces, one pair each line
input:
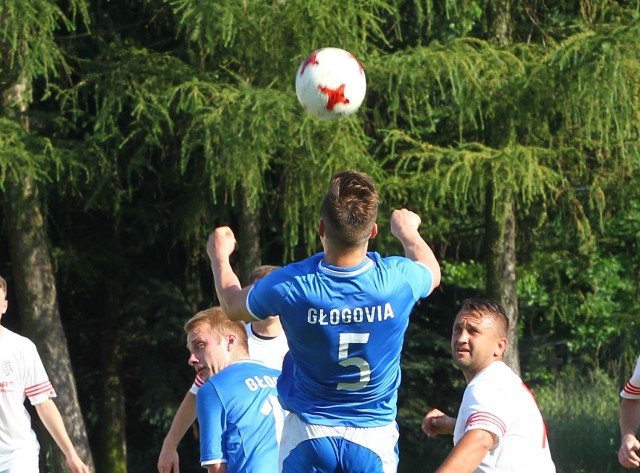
[197,384]
[632,388]
[38,388]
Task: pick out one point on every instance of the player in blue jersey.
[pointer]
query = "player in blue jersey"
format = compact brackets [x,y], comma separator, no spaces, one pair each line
[345,312]
[267,343]
[239,414]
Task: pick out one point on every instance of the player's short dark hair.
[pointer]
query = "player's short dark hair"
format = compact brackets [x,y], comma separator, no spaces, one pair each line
[350,208]
[3,285]
[487,307]
[260,272]
[218,322]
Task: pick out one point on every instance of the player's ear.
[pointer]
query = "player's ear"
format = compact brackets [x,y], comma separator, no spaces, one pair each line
[232,342]
[321,228]
[374,231]
[501,346]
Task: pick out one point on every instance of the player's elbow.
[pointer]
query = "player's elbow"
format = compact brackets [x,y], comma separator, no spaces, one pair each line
[437,275]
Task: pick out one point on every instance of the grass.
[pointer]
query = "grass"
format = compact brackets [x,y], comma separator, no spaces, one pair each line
[581,412]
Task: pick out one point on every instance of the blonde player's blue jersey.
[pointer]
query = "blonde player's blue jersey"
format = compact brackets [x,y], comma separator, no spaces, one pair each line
[240,418]
[345,328]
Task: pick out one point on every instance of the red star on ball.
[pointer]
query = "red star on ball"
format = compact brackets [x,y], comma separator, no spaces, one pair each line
[334,96]
[310,60]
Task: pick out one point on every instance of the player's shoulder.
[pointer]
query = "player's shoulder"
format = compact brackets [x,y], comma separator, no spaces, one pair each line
[397,263]
[255,365]
[492,377]
[17,339]
[248,367]
[292,270]
[389,260]
[304,266]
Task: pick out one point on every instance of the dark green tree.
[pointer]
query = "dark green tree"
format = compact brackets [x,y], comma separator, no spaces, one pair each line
[29,51]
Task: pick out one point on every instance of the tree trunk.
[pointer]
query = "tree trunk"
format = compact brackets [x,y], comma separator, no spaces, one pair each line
[111,426]
[500,223]
[500,231]
[248,237]
[39,314]
[500,18]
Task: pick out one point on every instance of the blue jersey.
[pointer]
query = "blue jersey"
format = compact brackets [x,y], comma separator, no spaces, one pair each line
[345,328]
[240,418]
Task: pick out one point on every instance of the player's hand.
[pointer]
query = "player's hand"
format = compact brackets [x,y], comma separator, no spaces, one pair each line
[627,455]
[437,422]
[75,464]
[404,223]
[168,461]
[221,243]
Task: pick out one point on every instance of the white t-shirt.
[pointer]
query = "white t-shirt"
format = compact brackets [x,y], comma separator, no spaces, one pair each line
[270,351]
[22,375]
[632,388]
[496,400]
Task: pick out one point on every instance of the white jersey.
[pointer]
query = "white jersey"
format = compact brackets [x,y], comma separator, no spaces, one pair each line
[632,388]
[496,400]
[22,375]
[270,351]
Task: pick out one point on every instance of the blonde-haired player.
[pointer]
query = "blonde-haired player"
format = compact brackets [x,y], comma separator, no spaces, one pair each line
[267,343]
[239,415]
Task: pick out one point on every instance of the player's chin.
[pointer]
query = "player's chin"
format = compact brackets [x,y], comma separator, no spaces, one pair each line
[461,358]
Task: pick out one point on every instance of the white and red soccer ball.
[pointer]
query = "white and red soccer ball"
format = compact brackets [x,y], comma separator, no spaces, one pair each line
[331,84]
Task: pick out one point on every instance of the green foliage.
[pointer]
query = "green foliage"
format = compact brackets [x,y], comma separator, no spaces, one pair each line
[286,32]
[169,110]
[22,153]
[28,47]
[597,76]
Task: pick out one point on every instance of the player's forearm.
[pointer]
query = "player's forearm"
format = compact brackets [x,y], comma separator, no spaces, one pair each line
[184,418]
[230,293]
[225,280]
[629,417]
[468,453]
[416,249]
[52,420]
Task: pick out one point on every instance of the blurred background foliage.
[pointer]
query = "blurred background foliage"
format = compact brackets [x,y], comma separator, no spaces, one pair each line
[150,122]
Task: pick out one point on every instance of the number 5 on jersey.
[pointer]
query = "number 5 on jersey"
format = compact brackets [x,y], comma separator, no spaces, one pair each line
[347,339]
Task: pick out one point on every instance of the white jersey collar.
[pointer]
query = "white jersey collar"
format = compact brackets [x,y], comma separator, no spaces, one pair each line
[345,272]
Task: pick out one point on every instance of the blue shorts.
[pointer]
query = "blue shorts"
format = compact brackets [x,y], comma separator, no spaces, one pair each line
[337,449]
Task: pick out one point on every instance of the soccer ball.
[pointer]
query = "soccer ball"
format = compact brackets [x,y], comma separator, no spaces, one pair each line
[331,84]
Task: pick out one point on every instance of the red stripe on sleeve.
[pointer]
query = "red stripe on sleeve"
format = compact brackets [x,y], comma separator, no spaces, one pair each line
[486,418]
[632,389]
[40,388]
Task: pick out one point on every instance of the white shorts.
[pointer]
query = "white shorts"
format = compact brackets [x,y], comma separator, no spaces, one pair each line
[326,448]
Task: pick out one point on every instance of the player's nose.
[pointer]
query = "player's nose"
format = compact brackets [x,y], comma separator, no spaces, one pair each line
[192,360]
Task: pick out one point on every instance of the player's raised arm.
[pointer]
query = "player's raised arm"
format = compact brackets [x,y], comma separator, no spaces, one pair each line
[404,226]
[232,296]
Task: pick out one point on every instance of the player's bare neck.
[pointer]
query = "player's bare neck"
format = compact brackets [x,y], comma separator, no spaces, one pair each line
[345,259]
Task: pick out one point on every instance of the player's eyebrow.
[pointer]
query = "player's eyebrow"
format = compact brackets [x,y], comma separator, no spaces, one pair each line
[194,341]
